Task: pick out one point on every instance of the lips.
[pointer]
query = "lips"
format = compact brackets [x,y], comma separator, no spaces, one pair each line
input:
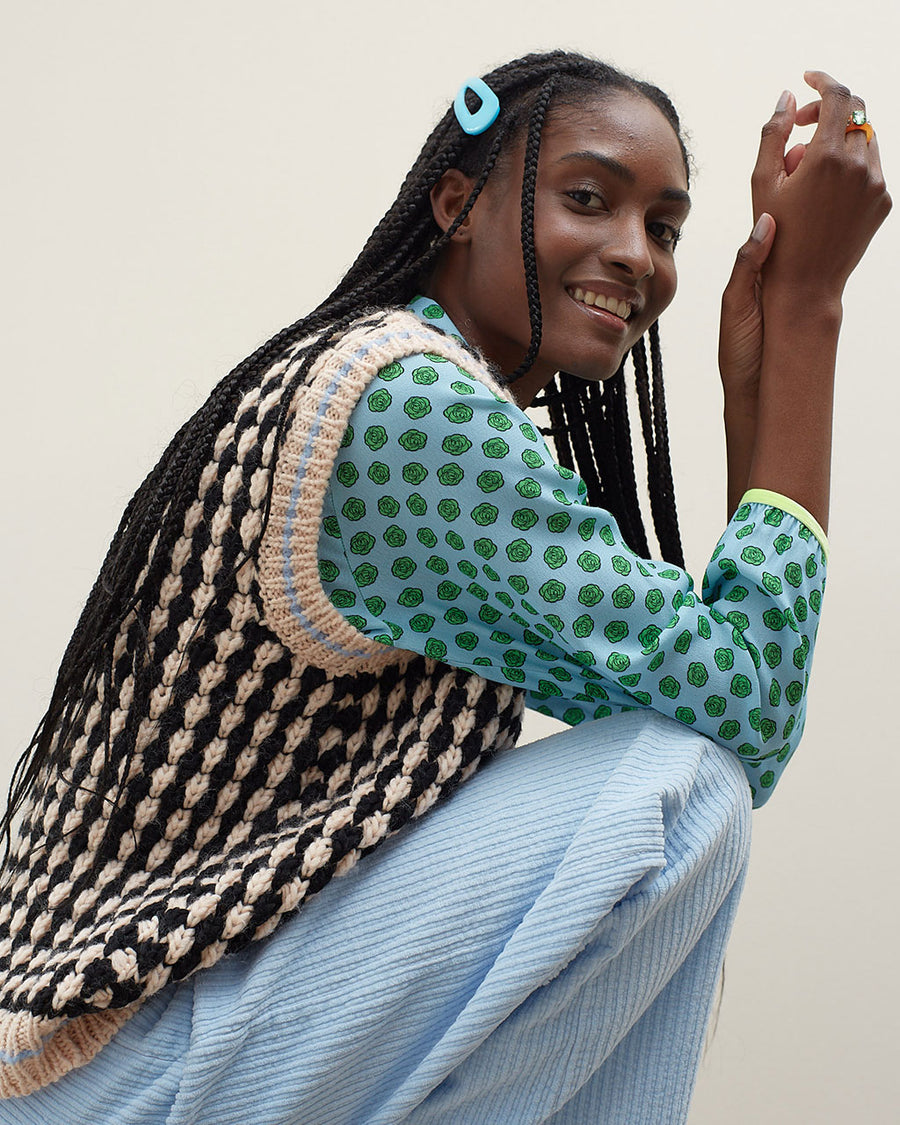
[618,307]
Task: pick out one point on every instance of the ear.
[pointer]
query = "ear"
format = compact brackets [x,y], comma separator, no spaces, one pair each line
[448,197]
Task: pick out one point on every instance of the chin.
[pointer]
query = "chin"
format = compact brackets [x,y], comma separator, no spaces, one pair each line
[595,369]
[593,361]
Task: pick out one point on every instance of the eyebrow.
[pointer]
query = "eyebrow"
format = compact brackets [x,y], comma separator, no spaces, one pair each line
[624,173]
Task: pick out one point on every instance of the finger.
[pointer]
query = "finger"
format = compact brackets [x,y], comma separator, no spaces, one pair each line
[750,260]
[837,102]
[775,132]
[858,137]
[793,157]
[875,159]
[808,114]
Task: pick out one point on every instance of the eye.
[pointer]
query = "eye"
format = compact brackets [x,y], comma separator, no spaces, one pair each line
[587,196]
[665,233]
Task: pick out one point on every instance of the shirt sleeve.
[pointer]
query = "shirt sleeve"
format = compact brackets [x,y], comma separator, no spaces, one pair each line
[450,531]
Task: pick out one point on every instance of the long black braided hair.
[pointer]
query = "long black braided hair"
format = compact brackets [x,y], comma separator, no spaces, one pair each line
[588,421]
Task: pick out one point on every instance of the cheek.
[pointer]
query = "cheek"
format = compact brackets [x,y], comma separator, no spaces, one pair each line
[668,282]
[561,243]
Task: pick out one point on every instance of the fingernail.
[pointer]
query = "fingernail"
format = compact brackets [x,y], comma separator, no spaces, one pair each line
[758,232]
[783,102]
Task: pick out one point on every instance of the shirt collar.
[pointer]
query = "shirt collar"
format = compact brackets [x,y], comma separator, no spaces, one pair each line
[431,313]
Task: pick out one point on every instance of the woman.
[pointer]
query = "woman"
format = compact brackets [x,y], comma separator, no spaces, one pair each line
[247,705]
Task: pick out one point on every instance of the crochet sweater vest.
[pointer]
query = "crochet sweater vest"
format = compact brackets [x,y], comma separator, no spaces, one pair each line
[280,745]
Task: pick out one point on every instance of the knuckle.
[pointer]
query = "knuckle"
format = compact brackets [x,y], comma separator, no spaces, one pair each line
[744,257]
[771,129]
[759,178]
[857,161]
[858,173]
[832,157]
[840,91]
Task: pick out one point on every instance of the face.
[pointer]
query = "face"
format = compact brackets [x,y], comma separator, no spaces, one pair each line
[610,201]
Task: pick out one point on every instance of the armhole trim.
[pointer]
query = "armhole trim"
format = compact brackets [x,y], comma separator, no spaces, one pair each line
[296,606]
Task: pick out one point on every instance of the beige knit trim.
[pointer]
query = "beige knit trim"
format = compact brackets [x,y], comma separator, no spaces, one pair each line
[297,608]
[58,1045]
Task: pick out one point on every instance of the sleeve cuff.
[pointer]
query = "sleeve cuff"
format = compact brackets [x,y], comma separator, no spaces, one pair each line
[776,500]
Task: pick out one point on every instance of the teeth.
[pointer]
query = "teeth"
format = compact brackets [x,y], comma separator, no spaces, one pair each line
[611,304]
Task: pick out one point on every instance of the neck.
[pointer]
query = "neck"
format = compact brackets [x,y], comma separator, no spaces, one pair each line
[446,290]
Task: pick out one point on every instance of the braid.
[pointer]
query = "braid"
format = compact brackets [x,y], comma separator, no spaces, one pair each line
[623,467]
[652,406]
[552,399]
[529,178]
[662,487]
[589,424]
[590,429]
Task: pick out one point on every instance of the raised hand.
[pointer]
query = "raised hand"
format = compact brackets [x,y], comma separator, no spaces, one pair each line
[827,197]
[819,205]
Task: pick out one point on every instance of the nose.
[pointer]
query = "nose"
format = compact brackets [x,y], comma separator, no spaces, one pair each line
[628,246]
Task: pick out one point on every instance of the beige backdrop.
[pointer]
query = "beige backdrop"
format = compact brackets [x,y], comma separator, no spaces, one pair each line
[183,178]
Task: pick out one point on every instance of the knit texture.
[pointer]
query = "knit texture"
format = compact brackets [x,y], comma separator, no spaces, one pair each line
[280,745]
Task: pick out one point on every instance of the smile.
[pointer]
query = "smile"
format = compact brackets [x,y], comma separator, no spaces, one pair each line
[621,309]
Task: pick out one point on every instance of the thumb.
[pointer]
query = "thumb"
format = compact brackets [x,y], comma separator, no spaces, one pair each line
[750,259]
[775,133]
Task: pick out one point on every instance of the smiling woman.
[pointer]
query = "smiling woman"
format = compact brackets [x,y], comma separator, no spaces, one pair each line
[609,202]
[330,601]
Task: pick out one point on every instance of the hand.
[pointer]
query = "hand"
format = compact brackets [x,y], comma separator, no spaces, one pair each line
[740,354]
[741,323]
[827,197]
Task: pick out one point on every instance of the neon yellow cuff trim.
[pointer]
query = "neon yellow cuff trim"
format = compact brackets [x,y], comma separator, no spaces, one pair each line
[776,500]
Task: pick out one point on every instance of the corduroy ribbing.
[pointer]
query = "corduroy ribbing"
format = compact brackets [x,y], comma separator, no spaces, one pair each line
[562,926]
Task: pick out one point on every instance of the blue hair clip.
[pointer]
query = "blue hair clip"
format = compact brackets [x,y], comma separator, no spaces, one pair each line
[485,116]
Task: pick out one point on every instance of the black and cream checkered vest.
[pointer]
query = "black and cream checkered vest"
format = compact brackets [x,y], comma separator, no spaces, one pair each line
[280,743]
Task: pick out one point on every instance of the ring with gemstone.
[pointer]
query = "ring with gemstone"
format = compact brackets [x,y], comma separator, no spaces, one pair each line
[858,120]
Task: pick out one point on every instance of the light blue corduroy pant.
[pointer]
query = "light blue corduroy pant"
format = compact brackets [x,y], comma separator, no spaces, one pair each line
[544,947]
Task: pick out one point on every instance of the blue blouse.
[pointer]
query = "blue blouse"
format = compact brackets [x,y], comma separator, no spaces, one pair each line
[450,531]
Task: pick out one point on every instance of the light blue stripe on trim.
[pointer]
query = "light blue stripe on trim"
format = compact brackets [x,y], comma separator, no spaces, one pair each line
[11,1060]
[295,496]
[776,500]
